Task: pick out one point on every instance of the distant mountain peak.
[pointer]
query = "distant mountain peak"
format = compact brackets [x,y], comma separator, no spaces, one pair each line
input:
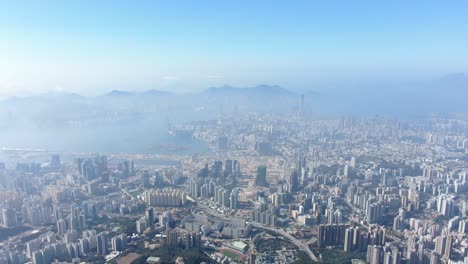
[60,94]
[119,93]
[156,92]
[262,88]
[270,88]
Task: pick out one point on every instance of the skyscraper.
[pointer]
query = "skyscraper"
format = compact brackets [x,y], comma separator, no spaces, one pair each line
[293,180]
[9,217]
[150,215]
[348,242]
[172,238]
[261,180]
[233,199]
[61,226]
[448,247]
[55,162]
[102,244]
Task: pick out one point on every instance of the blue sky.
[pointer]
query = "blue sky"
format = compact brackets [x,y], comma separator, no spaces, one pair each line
[96,46]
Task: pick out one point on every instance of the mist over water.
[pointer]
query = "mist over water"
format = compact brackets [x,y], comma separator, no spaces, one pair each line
[138,136]
[138,122]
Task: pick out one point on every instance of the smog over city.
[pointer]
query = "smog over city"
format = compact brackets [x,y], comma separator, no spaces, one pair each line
[234,132]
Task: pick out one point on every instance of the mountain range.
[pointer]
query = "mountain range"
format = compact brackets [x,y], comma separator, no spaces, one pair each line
[447,94]
[128,120]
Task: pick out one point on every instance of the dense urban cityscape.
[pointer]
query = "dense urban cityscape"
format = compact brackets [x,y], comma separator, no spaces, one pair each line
[233,132]
[272,189]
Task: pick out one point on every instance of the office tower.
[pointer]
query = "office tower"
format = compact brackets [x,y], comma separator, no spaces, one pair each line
[165,218]
[82,221]
[304,175]
[73,222]
[356,238]
[150,216]
[91,210]
[61,226]
[119,243]
[55,162]
[194,187]
[293,181]
[421,250]
[445,205]
[321,236]
[15,257]
[348,241]
[396,256]
[440,244]
[236,168]
[141,225]
[374,254]
[102,244]
[384,179]
[145,178]
[276,200]
[346,171]
[126,169]
[228,167]
[463,226]
[375,211]
[204,191]
[37,257]
[197,241]
[57,213]
[261,180]
[331,235]
[225,198]
[171,238]
[87,169]
[435,258]
[387,257]
[338,217]
[80,162]
[233,199]
[448,247]
[217,169]
[9,217]
[330,216]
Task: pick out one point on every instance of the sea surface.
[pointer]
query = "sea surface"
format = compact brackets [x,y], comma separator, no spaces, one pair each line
[132,137]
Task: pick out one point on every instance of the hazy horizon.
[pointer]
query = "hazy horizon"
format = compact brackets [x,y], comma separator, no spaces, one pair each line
[95,47]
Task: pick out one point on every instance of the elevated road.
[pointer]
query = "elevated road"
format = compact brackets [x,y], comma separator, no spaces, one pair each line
[295,241]
[303,246]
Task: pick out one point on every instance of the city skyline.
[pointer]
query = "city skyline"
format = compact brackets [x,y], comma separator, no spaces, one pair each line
[243,132]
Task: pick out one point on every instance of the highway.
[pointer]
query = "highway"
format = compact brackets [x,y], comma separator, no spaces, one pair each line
[294,240]
[279,231]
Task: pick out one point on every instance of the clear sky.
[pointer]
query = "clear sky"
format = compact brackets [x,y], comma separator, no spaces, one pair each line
[96,46]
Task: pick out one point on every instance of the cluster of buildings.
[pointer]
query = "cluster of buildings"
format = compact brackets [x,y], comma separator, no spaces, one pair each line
[385,190]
